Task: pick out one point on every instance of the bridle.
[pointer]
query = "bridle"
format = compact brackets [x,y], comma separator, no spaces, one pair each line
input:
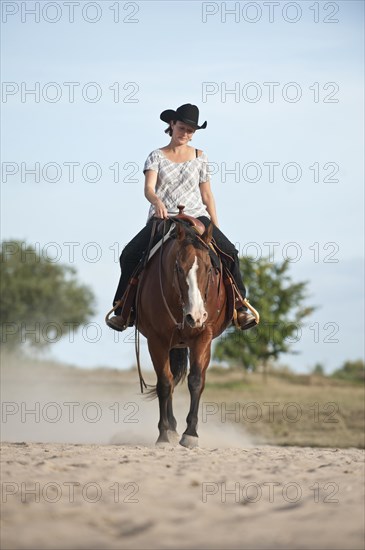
[178,326]
[178,270]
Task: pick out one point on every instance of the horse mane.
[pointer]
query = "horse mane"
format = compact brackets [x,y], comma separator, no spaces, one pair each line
[191,236]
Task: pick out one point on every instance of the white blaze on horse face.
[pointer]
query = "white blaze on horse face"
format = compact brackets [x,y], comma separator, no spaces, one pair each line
[195,310]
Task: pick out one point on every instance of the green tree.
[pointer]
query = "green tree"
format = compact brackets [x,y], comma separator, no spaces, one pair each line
[280,303]
[41,300]
[318,369]
[351,370]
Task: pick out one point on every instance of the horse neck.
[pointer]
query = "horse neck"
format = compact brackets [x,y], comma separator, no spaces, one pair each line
[170,257]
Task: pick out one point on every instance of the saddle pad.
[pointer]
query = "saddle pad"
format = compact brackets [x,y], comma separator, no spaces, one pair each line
[158,244]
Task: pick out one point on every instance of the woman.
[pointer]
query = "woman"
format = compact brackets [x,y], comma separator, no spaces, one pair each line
[177,174]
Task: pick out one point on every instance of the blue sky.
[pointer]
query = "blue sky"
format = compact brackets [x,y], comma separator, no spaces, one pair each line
[167,57]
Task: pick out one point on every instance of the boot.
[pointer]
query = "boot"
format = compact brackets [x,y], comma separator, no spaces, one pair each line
[117,323]
[125,313]
[244,319]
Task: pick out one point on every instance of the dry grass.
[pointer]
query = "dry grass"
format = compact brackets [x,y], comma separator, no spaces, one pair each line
[330,413]
[303,410]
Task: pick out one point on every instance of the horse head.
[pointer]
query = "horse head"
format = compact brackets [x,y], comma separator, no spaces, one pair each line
[193,270]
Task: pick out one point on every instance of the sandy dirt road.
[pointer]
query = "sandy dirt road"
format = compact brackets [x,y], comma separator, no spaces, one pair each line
[57,496]
[96,481]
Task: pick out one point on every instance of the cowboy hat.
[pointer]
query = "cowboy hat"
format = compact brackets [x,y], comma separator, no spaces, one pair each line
[187,113]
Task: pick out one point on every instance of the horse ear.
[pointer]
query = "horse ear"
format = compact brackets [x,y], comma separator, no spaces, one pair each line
[180,232]
[208,234]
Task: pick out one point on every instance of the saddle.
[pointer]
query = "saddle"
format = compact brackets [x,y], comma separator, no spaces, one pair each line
[197,224]
[219,260]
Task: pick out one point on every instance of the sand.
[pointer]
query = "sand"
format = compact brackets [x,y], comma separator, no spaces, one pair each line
[103,484]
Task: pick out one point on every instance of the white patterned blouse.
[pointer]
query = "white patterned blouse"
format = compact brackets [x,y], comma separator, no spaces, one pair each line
[178,183]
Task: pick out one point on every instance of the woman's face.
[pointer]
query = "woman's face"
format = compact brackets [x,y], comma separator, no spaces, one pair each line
[181,132]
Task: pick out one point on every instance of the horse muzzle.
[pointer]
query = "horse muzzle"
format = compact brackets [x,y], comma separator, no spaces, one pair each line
[196,320]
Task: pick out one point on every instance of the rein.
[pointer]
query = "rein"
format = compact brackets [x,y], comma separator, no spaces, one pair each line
[178,325]
[137,342]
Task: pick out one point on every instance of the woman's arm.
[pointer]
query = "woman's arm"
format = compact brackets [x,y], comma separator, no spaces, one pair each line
[149,193]
[208,201]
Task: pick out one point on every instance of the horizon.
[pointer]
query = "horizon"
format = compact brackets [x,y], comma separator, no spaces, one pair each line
[282,91]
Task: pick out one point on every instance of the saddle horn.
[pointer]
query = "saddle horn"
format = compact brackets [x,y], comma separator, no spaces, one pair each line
[197,224]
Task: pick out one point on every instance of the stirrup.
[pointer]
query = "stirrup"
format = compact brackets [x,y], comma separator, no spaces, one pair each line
[107,316]
[254,312]
[250,323]
[129,322]
[245,303]
[116,323]
[127,302]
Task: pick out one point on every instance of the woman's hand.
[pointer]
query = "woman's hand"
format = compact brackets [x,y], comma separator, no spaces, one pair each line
[160,209]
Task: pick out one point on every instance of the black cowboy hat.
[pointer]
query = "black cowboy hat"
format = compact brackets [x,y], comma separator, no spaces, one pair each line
[187,113]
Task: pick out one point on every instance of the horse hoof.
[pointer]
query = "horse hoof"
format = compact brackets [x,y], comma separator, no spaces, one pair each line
[189,441]
[173,437]
[162,444]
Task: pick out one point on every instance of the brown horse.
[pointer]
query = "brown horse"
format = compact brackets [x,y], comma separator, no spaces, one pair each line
[181,306]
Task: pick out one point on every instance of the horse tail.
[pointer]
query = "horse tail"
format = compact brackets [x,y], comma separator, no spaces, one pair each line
[178,366]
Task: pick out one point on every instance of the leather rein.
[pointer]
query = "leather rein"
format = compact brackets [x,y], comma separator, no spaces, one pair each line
[179,325]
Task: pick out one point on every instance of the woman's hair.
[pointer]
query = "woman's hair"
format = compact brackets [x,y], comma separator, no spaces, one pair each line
[169,129]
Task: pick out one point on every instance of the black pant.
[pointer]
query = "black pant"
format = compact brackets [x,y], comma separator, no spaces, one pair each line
[133,251]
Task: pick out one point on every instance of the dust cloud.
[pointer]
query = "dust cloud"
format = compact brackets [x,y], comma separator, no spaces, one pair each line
[44,401]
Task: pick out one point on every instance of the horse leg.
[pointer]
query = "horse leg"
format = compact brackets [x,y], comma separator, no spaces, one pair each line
[172,433]
[164,387]
[199,361]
